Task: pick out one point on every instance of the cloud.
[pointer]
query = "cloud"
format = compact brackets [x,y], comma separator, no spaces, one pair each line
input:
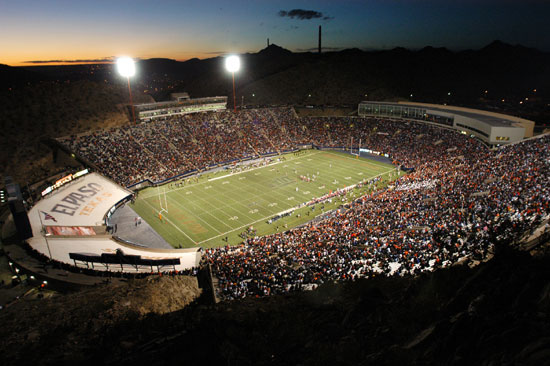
[83,61]
[302,14]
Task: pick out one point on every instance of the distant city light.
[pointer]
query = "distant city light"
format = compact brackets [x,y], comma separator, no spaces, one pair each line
[232,63]
[449,93]
[126,66]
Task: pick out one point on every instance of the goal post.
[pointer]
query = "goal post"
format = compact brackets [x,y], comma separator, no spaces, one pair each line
[163,200]
[353,151]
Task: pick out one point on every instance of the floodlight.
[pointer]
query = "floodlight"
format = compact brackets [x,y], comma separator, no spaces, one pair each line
[232,63]
[126,66]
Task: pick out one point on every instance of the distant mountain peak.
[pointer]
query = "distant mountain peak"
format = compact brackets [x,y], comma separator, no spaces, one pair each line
[273,49]
[499,47]
[497,44]
[434,49]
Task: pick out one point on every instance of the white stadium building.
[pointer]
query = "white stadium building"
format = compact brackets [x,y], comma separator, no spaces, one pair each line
[69,225]
[491,128]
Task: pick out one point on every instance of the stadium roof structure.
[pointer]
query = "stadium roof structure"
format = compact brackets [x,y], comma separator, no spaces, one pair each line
[491,118]
[179,106]
[490,127]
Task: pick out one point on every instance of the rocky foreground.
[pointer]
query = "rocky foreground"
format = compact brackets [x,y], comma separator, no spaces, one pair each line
[495,314]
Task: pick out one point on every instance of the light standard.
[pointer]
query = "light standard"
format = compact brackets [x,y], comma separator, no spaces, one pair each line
[232,64]
[126,67]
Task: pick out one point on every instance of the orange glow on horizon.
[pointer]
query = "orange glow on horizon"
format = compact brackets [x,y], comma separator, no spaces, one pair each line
[74,61]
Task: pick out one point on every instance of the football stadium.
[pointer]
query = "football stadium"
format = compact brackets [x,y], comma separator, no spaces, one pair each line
[275,183]
[269,202]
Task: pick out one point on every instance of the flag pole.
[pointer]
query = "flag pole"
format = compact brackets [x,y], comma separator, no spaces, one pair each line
[45,236]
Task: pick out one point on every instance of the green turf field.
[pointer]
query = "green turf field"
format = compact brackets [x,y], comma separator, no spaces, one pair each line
[219,205]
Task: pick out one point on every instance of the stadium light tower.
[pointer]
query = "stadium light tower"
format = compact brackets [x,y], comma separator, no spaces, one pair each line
[232,64]
[127,67]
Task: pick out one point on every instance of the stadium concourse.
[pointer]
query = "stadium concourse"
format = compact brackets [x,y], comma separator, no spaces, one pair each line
[69,226]
[459,201]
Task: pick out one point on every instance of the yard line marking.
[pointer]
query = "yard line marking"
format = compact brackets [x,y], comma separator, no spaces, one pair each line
[260,167]
[267,217]
[184,208]
[171,223]
[228,175]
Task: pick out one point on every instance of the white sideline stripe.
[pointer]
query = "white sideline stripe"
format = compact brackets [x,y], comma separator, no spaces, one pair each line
[171,223]
[230,175]
[364,160]
[272,215]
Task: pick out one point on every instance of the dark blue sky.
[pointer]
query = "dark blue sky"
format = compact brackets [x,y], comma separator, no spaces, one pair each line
[58,30]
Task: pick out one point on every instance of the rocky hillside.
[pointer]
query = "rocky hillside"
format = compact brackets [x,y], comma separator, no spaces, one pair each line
[496,313]
[33,112]
[70,324]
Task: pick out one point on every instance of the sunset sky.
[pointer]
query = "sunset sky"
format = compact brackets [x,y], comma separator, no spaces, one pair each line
[33,32]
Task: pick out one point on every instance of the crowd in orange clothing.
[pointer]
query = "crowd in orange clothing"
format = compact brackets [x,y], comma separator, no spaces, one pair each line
[460,200]
[161,150]
[452,206]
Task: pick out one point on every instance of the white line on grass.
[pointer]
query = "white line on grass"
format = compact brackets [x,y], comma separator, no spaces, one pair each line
[171,223]
[272,215]
[262,167]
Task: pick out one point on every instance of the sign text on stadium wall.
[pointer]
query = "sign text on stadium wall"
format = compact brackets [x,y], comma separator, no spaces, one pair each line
[75,200]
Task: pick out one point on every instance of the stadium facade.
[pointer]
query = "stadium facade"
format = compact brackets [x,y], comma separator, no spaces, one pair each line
[70,226]
[491,128]
[179,105]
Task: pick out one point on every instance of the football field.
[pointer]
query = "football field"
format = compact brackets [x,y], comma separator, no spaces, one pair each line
[225,207]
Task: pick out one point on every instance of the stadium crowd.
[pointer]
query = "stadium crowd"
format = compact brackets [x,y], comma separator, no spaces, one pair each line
[455,205]
[459,200]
